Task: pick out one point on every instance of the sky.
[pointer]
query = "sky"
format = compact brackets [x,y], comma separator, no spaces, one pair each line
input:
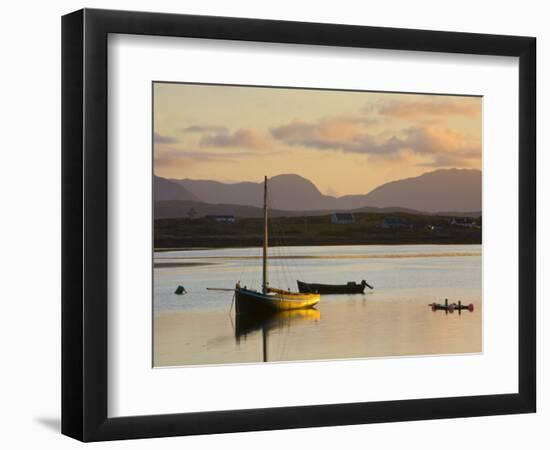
[344,142]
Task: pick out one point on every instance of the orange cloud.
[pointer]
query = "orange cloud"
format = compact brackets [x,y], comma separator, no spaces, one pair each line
[334,132]
[443,146]
[244,138]
[205,129]
[174,160]
[438,140]
[162,139]
[344,127]
[434,107]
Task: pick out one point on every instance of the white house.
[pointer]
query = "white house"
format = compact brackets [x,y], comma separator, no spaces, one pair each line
[394,223]
[463,222]
[223,218]
[342,218]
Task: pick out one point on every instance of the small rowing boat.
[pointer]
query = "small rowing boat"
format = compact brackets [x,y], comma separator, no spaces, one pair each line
[350,288]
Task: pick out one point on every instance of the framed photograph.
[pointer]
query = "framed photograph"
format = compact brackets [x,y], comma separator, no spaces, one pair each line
[273,224]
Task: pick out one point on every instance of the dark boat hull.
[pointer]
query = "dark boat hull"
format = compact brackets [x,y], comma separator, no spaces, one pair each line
[349,288]
[247,301]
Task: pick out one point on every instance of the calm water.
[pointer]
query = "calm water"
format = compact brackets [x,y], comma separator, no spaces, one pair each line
[392,320]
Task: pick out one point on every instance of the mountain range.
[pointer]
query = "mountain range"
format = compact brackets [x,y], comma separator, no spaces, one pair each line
[456,190]
[166,190]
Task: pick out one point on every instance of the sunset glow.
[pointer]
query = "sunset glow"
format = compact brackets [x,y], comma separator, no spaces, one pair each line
[344,142]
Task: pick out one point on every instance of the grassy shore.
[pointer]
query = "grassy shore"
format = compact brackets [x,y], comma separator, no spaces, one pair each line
[367,229]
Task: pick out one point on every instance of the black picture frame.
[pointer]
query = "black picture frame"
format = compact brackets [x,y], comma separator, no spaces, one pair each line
[84,224]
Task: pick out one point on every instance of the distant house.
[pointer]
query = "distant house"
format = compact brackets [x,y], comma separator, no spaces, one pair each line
[463,222]
[342,218]
[394,223]
[222,219]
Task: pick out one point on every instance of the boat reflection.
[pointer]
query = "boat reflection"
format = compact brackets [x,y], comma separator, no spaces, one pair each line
[246,324]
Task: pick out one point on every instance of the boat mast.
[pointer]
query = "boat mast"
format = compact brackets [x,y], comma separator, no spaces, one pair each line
[264,343]
[264,273]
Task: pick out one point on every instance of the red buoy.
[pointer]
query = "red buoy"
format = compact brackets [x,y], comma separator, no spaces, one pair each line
[471,307]
[434,306]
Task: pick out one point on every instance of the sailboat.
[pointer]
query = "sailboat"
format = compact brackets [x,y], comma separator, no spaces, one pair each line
[270,299]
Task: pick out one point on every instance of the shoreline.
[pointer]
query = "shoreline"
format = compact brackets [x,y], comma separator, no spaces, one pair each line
[328,244]
[332,257]
[364,229]
[160,265]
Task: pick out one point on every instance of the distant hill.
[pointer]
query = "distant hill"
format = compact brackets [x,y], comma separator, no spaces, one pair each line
[193,209]
[289,192]
[441,190]
[165,190]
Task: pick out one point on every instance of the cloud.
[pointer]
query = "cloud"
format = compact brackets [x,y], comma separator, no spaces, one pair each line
[442,146]
[161,139]
[176,161]
[430,140]
[345,126]
[328,128]
[446,160]
[295,132]
[244,138]
[341,133]
[470,107]
[205,129]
